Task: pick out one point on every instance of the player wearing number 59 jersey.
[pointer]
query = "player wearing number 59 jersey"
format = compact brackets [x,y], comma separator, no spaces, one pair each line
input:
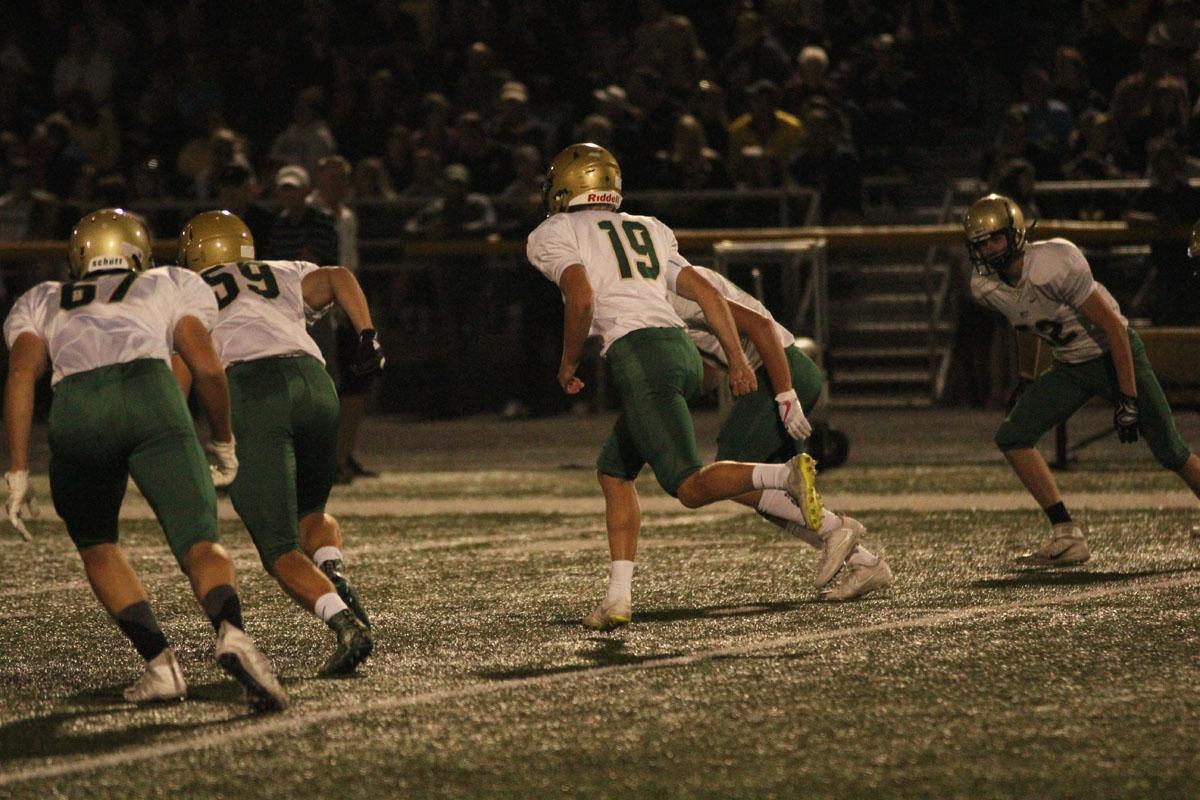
[285,414]
[1046,289]
[615,270]
[117,412]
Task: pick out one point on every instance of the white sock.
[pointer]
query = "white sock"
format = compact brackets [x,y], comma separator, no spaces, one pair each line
[862,556]
[620,581]
[779,507]
[770,476]
[831,522]
[329,604]
[326,553]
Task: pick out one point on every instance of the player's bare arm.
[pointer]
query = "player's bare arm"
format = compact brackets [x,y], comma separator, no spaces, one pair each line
[577,321]
[27,363]
[338,284]
[1102,316]
[761,331]
[195,347]
[693,286]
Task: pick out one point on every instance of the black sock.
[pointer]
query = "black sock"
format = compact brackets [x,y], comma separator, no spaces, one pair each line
[138,623]
[222,604]
[1058,513]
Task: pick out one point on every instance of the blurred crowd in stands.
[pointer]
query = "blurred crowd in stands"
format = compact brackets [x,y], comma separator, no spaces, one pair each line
[436,118]
[458,104]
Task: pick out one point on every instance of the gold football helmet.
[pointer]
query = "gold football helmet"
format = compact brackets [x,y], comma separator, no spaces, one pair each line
[584,174]
[986,217]
[214,237]
[110,238]
[1194,242]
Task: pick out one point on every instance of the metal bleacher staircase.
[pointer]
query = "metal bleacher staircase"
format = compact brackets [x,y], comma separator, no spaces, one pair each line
[892,315]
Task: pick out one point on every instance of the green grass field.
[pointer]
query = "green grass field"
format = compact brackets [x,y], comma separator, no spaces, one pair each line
[967,679]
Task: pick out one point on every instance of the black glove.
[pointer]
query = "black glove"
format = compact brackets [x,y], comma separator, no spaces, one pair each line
[1125,418]
[1018,390]
[369,359]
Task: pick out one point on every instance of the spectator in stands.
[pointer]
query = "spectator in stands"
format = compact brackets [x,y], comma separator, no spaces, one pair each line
[398,155]
[1168,204]
[826,163]
[26,212]
[667,43]
[481,80]
[94,131]
[519,207]
[237,191]
[887,92]
[1131,97]
[299,231]
[375,197]
[203,157]
[308,139]
[1165,117]
[756,56]
[330,196]
[1017,179]
[932,34]
[598,129]
[1178,32]
[57,162]
[426,174]
[707,104]
[457,212]
[435,130]
[1049,123]
[622,124]
[1071,85]
[489,163]
[810,80]
[1099,159]
[766,126]
[1012,141]
[514,124]
[690,163]
[84,66]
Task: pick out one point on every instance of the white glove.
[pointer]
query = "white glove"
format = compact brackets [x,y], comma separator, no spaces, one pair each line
[20,504]
[792,415]
[226,466]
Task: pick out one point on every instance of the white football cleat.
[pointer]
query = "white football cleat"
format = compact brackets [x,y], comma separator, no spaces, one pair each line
[237,655]
[1064,547]
[609,615]
[862,580]
[802,486]
[162,681]
[838,544]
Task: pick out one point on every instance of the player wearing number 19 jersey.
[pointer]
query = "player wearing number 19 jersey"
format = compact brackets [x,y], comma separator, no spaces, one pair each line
[614,270]
[285,414]
[1046,289]
[117,412]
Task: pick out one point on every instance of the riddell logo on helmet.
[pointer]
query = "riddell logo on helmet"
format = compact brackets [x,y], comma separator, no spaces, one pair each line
[603,197]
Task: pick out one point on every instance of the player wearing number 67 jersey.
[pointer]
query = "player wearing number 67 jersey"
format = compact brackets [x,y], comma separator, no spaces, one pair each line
[117,412]
[614,270]
[1046,289]
[285,414]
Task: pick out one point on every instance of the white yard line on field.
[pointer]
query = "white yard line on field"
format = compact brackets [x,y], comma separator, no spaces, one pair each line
[851,502]
[268,726]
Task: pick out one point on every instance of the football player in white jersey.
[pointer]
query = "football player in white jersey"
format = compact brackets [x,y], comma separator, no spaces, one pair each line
[117,412]
[285,414]
[614,270]
[769,424]
[1046,289]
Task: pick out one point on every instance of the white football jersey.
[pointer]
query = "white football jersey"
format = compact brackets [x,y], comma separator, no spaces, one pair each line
[1055,281]
[631,262]
[261,310]
[110,318]
[702,333]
